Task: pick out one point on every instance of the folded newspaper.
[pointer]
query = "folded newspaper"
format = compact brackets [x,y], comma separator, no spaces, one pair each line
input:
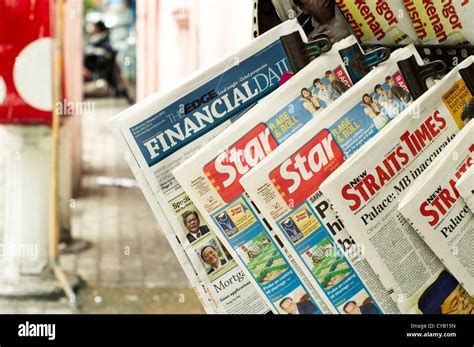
[381,21]
[465,187]
[285,188]
[163,130]
[366,189]
[444,22]
[211,178]
[442,218]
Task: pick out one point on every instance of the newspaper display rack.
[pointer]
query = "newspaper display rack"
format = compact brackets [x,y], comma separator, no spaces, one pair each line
[366,189]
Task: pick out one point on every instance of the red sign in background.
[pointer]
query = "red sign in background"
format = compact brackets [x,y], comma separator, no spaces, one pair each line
[26,51]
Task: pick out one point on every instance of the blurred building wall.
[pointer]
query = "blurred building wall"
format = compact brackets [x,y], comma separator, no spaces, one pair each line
[176,37]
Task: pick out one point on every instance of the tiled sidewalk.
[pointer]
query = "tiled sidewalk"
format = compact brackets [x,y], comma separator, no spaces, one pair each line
[130,268]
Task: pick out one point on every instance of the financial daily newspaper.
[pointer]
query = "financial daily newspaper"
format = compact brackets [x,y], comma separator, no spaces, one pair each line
[442,218]
[366,189]
[465,187]
[381,21]
[212,177]
[285,188]
[160,132]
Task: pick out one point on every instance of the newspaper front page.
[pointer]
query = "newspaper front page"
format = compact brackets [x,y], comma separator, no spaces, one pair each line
[435,209]
[465,187]
[442,22]
[285,188]
[211,178]
[165,129]
[381,21]
[367,188]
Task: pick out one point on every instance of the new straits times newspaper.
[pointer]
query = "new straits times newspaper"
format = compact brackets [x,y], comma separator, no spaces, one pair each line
[212,177]
[465,187]
[167,128]
[366,189]
[435,209]
[285,185]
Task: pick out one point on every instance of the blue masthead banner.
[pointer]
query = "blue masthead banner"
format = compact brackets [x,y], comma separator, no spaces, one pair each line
[218,100]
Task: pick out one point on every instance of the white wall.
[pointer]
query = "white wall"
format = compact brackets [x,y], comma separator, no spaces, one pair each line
[167,52]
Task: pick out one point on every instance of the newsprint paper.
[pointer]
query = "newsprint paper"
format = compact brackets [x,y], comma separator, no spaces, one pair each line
[285,188]
[367,188]
[435,209]
[163,130]
[465,187]
[212,177]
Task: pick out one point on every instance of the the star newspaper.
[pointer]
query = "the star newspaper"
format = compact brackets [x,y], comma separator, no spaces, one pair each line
[439,214]
[367,188]
[285,188]
[211,178]
[160,132]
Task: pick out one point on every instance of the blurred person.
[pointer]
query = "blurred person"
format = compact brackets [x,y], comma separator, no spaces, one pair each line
[193,224]
[302,307]
[98,53]
[210,256]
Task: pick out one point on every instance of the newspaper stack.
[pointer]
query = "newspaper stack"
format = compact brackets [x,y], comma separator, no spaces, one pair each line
[435,209]
[367,188]
[212,177]
[165,129]
[285,187]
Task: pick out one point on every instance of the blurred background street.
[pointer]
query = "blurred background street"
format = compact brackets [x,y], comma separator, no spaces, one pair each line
[114,53]
[130,267]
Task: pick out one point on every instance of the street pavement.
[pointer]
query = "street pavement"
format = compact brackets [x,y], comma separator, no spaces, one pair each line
[130,267]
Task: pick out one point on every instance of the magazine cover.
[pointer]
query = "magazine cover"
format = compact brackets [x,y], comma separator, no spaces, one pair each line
[465,187]
[163,130]
[443,22]
[366,189]
[285,185]
[211,178]
[435,209]
[381,21]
